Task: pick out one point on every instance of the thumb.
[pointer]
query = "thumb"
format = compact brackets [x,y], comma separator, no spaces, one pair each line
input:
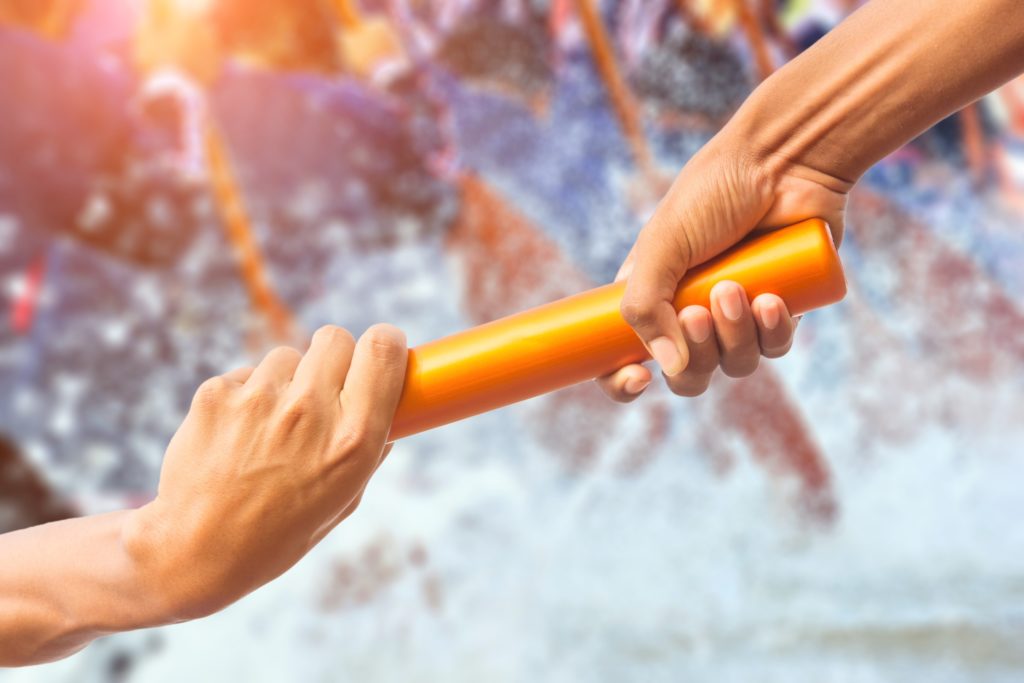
[659,261]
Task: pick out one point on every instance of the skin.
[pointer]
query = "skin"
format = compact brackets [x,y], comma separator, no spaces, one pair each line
[267,462]
[794,150]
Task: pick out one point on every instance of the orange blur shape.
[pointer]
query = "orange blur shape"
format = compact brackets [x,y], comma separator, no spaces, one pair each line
[581,337]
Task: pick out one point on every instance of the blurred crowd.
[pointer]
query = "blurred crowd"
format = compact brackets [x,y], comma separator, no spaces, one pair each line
[184,183]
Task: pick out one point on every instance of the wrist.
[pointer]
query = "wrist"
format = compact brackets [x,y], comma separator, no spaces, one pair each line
[786,137]
[175,579]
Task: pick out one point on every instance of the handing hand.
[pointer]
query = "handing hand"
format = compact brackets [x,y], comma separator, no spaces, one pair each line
[721,195]
[268,461]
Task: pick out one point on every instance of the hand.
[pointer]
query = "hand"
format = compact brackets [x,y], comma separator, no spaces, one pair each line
[719,197]
[267,462]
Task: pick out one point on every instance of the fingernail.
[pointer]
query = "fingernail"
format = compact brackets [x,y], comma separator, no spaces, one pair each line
[625,270]
[770,315]
[634,385]
[667,356]
[697,327]
[729,299]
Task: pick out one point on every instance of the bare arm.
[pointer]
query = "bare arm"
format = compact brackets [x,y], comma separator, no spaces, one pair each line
[793,151]
[66,583]
[268,461]
[882,77]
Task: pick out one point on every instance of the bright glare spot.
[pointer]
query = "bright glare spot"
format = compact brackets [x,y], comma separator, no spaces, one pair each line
[16,287]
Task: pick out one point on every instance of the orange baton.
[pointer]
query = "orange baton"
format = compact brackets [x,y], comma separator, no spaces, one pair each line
[584,336]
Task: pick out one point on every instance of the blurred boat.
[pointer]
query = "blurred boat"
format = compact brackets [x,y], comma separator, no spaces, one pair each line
[26,499]
[318,155]
[77,163]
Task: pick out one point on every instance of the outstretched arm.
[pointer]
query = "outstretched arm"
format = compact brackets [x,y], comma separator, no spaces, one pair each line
[268,461]
[66,583]
[880,79]
[793,151]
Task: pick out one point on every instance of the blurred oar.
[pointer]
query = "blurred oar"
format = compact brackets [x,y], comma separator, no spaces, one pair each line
[51,19]
[623,103]
[365,43]
[173,35]
[1010,153]
[751,26]
[348,13]
[974,144]
[718,15]
[238,229]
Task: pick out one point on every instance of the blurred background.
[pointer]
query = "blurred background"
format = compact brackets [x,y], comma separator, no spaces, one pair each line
[186,183]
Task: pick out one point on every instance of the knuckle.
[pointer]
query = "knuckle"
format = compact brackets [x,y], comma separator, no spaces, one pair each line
[352,437]
[637,312]
[214,385]
[258,399]
[211,392]
[300,406]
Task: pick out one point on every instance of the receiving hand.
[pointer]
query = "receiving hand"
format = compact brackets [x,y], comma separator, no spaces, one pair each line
[720,196]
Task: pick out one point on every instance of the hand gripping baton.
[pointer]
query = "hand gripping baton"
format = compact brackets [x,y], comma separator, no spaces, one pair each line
[584,336]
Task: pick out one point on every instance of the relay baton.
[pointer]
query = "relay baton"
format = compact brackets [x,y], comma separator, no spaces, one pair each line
[581,337]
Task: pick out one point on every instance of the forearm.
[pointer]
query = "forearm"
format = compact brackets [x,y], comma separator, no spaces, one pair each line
[883,76]
[67,583]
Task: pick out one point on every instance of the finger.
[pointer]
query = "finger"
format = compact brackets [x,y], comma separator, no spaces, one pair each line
[374,382]
[698,327]
[327,361]
[626,269]
[647,302]
[735,329]
[775,327]
[238,375]
[277,368]
[625,384]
